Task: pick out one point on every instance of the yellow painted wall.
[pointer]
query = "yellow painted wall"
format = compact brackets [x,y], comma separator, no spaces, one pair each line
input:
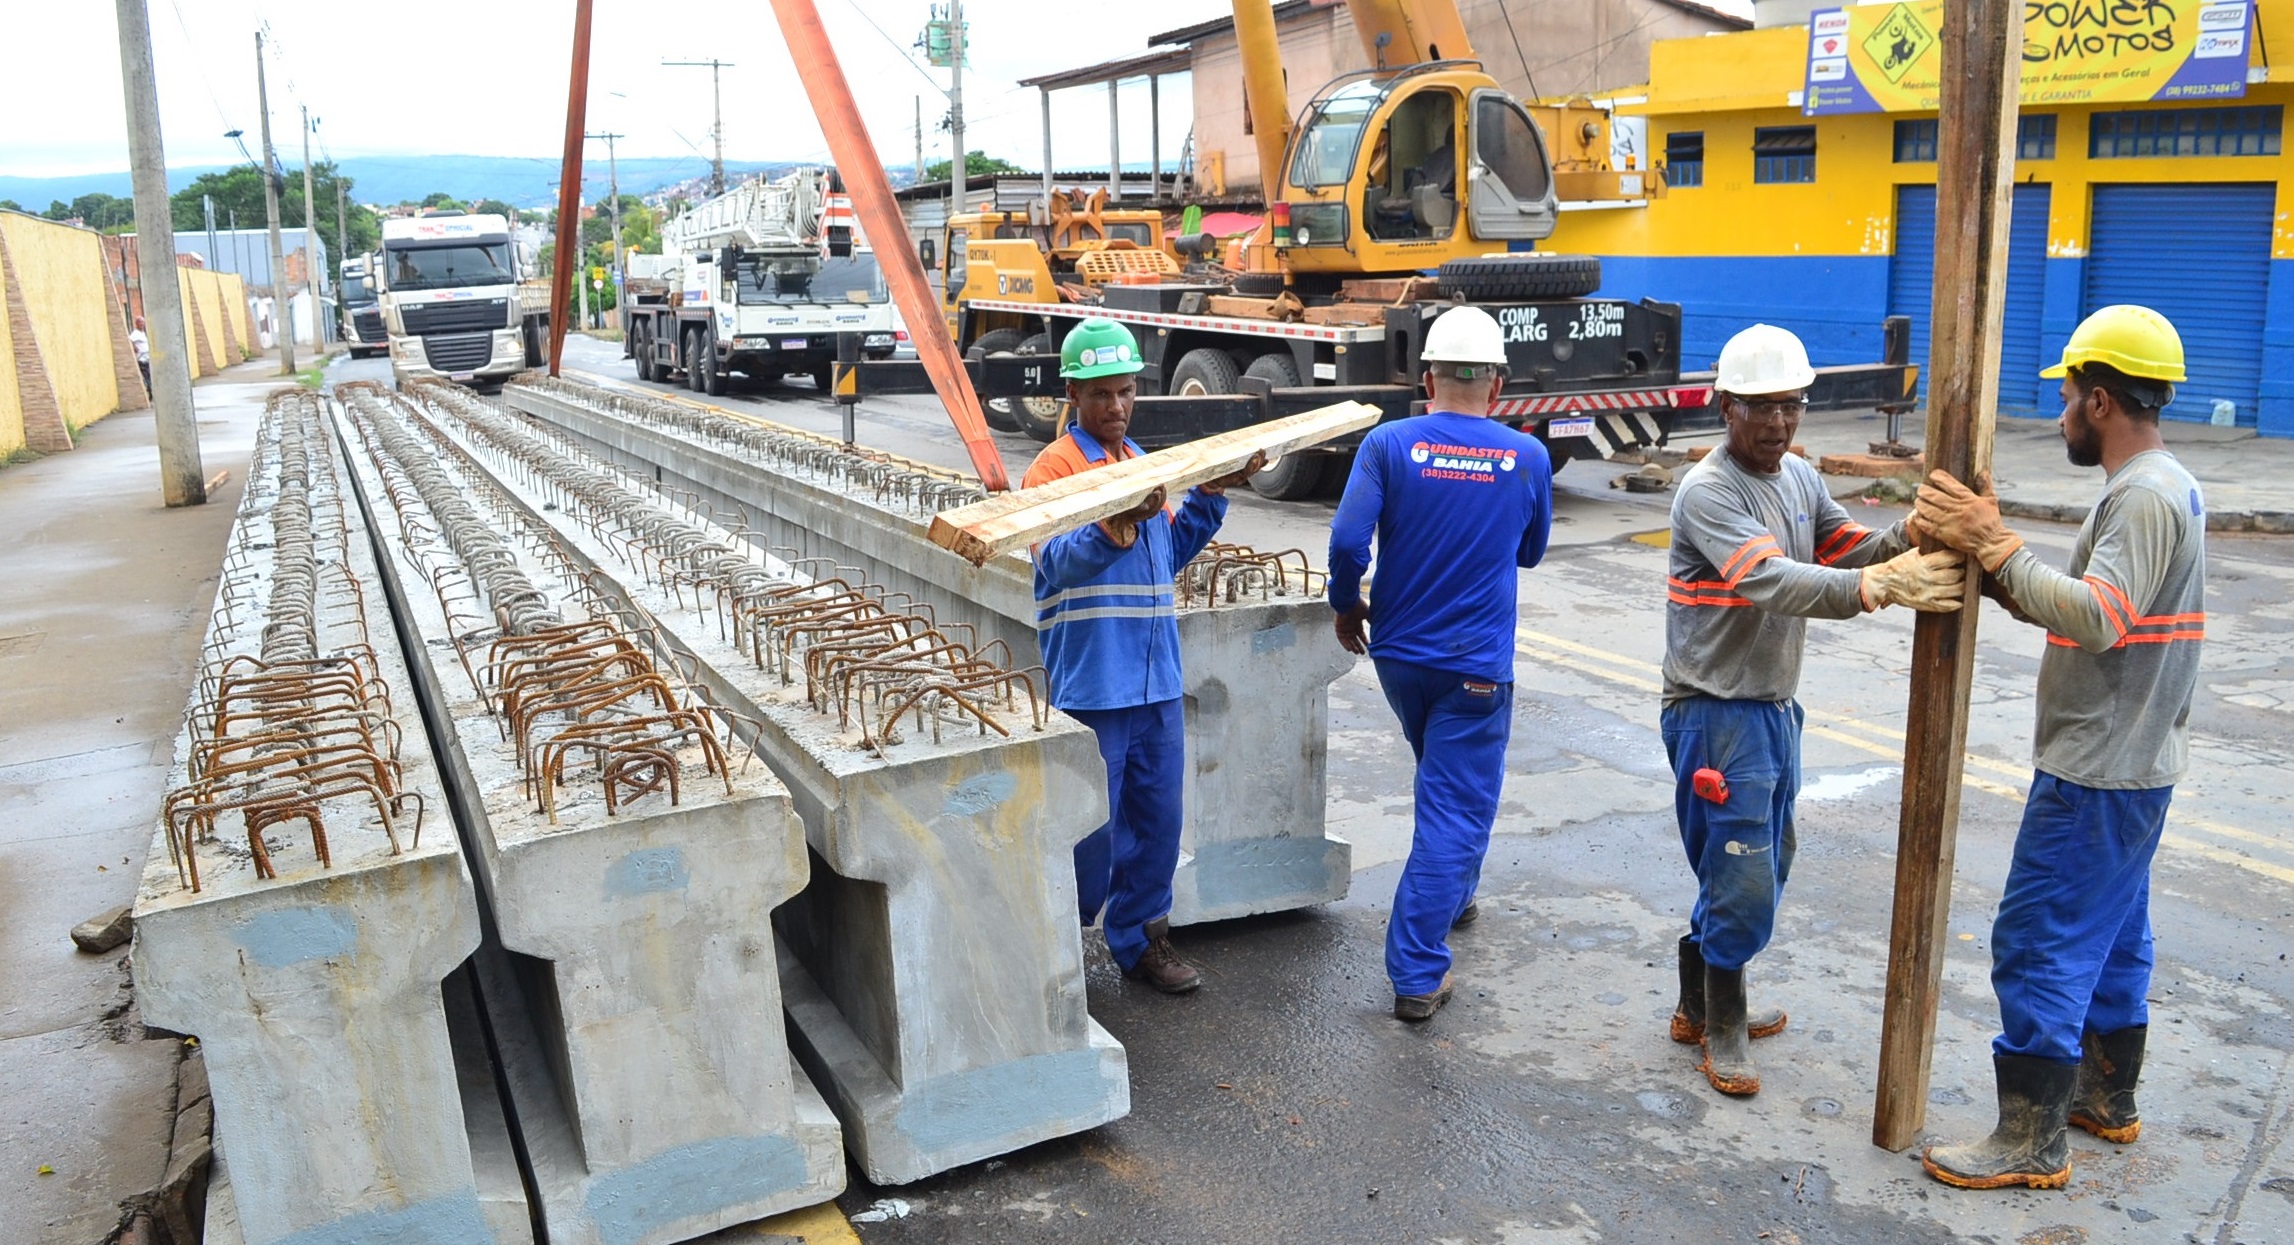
[1726,86]
[11,404]
[232,293]
[204,298]
[62,273]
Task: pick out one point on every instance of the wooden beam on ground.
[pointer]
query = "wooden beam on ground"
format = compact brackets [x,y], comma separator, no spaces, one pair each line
[1975,166]
[998,525]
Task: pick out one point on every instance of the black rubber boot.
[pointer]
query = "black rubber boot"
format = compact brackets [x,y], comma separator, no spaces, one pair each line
[1728,1049]
[2029,1146]
[2104,1102]
[1689,1014]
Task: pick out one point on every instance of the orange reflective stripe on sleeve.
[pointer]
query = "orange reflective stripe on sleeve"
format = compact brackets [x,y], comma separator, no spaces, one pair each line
[1763,545]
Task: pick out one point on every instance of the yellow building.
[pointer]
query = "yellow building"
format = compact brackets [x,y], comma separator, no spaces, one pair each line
[1826,224]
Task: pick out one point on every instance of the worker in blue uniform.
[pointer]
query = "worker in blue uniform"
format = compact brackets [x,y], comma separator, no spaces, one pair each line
[1106,615]
[1457,503]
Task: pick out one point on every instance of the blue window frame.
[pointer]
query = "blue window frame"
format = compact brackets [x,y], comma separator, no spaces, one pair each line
[2035,136]
[1685,159]
[2251,130]
[1916,141]
[1784,153]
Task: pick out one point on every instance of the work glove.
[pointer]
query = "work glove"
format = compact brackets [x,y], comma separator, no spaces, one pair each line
[1966,519]
[1123,529]
[1929,582]
[1219,487]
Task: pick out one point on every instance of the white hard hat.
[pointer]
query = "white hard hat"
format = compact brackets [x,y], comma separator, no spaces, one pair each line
[1764,359]
[1464,335]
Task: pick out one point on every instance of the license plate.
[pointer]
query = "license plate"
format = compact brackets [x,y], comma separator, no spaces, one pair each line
[1570,427]
[463,376]
[794,343]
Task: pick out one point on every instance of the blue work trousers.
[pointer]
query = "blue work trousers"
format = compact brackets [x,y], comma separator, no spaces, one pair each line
[1742,848]
[1457,726]
[1126,865]
[2071,946]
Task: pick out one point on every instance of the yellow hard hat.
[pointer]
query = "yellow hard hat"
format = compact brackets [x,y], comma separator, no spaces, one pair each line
[2136,340]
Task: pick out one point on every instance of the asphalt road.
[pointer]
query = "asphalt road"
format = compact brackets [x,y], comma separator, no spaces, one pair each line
[1546,1104]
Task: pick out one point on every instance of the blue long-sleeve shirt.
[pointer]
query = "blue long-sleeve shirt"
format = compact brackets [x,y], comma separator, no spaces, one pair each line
[1107,616]
[1457,502]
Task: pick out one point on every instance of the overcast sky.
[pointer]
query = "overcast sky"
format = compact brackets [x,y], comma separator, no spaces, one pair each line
[452,76]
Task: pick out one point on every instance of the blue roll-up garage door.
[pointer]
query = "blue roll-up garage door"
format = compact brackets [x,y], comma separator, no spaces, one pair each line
[2200,256]
[1911,286]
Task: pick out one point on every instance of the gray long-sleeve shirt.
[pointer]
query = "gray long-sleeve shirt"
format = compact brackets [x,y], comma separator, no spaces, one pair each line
[1754,557]
[2124,630]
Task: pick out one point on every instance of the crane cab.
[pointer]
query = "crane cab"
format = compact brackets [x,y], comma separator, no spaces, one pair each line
[1391,172]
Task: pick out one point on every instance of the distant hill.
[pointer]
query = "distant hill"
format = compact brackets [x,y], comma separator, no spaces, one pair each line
[392,179]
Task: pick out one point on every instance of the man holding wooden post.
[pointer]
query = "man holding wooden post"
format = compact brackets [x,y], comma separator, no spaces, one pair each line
[1758,548]
[1458,502]
[2071,945]
[1107,617]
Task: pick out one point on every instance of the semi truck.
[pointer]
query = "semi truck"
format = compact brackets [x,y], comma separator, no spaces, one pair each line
[456,302]
[362,329]
[764,281]
[1399,191]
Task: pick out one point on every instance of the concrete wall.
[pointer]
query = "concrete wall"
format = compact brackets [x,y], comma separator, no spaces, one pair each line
[58,272]
[1556,49]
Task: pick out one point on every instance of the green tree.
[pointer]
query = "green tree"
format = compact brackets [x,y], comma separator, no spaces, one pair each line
[240,189]
[440,199]
[493,207]
[976,164]
[100,212]
[11,205]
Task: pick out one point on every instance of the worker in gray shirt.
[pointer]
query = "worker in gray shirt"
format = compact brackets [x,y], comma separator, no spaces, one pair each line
[2071,946]
[1759,547]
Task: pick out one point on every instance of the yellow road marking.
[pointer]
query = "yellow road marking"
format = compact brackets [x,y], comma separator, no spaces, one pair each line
[814,1225]
[1825,726]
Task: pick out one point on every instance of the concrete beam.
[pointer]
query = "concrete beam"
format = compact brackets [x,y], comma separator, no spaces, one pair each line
[933,968]
[633,995]
[1257,676]
[316,994]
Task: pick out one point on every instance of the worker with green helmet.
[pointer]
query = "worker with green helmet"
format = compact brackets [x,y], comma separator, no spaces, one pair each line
[2071,944]
[1107,618]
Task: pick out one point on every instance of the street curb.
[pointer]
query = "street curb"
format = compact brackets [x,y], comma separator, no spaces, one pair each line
[2269,522]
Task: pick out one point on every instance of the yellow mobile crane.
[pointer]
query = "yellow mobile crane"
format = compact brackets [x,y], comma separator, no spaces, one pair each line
[1398,191]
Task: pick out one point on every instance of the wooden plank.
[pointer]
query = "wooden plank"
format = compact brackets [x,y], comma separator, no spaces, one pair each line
[1346,313]
[1014,520]
[1974,173]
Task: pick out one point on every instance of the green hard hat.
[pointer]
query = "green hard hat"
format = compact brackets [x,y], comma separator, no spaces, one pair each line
[1099,347]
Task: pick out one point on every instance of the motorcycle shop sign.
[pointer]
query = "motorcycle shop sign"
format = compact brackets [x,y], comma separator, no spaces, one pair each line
[1889,57]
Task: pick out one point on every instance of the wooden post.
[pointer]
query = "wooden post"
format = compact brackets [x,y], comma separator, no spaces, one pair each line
[567,256]
[1975,165]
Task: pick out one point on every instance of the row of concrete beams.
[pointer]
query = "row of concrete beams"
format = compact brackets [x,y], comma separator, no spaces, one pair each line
[629,852]
[932,966]
[1257,664]
[306,895]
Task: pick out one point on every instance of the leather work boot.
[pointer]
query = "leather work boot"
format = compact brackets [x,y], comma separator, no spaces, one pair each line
[2029,1146]
[1161,965]
[1728,1051]
[2104,1101]
[1471,913]
[1418,1007]
[1689,1014]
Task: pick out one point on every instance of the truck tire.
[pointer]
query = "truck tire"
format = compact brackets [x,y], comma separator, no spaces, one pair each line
[1292,477]
[641,349]
[529,334]
[1526,275]
[998,411]
[1040,416]
[1203,373]
[694,344]
[713,377]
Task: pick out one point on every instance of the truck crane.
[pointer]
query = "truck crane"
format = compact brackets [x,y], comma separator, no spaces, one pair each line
[762,280]
[1398,190]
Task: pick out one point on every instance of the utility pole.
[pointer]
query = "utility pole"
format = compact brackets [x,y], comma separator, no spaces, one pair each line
[568,257]
[282,321]
[919,140]
[176,421]
[613,192]
[959,169]
[207,209]
[311,242]
[1975,149]
[717,124]
[342,219]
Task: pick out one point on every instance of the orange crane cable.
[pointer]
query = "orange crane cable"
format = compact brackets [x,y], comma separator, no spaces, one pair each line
[871,194]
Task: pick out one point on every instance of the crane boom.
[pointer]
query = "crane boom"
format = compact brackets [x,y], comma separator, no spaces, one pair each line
[1395,33]
[782,215]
